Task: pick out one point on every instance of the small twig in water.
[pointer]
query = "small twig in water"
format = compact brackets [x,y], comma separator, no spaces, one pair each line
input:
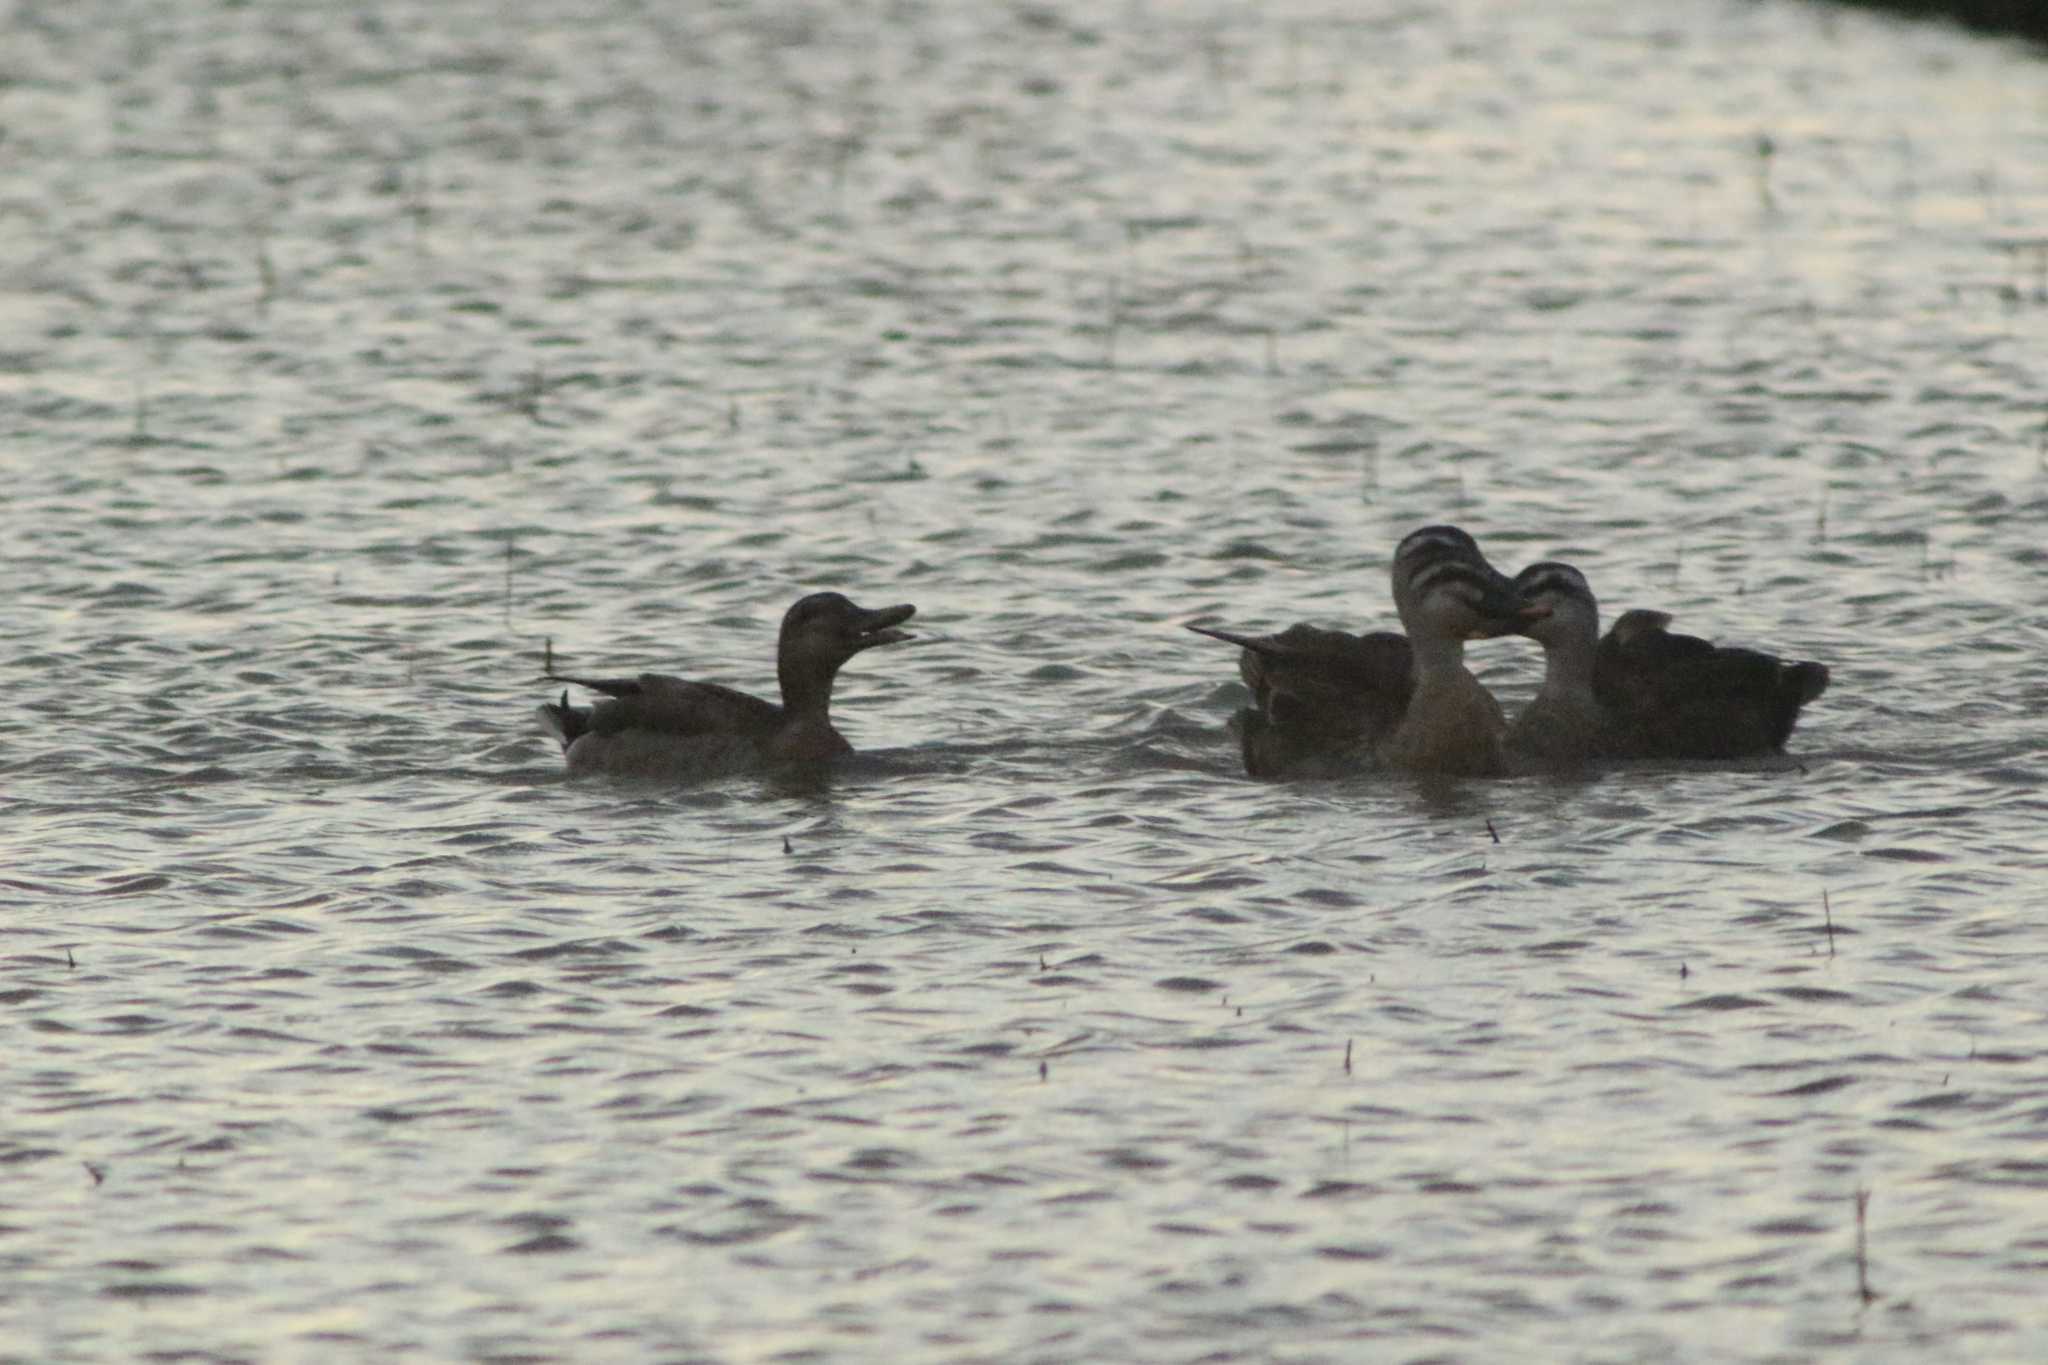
[195,278]
[535,389]
[509,551]
[1347,1056]
[266,271]
[1829,912]
[1116,320]
[1863,1289]
[416,207]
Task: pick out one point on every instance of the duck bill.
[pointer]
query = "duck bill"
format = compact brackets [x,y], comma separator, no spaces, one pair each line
[1509,616]
[877,627]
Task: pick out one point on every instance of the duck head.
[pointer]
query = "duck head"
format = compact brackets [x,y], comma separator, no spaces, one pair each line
[1445,590]
[1572,613]
[828,628]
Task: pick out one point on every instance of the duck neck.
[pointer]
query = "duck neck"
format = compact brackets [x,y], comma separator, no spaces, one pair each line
[1568,668]
[1438,659]
[806,688]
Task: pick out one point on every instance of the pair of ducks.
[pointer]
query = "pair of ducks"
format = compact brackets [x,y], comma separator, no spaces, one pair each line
[1324,701]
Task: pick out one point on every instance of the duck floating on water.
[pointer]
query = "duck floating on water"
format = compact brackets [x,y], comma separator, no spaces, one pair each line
[659,726]
[1323,701]
[1643,692]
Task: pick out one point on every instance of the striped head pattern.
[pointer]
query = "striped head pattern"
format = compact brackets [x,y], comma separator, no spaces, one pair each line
[1444,586]
[1573,610]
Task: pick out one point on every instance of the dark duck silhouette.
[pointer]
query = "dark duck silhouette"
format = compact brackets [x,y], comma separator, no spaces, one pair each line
[659,726]
[1643,692]
[1325,702]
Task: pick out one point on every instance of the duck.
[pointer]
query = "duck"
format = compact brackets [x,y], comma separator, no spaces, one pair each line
[655,725]
[1326,701]
[1642,691]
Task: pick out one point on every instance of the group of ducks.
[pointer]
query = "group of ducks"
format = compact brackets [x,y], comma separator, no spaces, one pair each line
[1324,702]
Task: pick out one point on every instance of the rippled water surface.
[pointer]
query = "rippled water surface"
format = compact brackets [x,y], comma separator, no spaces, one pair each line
[352,354]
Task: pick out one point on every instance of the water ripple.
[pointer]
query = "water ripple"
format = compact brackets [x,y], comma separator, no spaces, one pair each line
[360,365]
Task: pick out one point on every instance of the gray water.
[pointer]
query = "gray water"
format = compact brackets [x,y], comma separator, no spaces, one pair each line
[355,355]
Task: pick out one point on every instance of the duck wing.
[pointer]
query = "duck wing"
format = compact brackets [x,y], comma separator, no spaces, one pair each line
[1318,693]
[674,706]
[1678,696]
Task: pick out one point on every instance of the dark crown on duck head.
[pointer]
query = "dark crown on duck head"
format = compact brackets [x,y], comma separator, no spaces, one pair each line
[1439,554]
[1432,542]
[1556,579]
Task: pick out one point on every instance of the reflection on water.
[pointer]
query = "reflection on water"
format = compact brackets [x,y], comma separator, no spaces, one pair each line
[354,355]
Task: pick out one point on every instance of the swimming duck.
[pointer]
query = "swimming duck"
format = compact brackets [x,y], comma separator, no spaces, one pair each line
[655,725]
[1323,700]
[1643,692]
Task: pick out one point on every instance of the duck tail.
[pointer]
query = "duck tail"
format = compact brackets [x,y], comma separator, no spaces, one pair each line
[565,722]
[1807,680]
[1798,684]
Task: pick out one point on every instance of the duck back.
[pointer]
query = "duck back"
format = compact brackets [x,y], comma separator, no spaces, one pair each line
[1322,700]
[1678,696]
